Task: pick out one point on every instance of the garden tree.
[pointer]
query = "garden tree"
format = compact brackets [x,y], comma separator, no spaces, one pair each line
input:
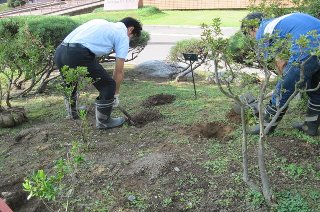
[273,8]
[195,46]
[216,46]
[16,3]
[276,8]
[27,51]
[239,47]
[218,52]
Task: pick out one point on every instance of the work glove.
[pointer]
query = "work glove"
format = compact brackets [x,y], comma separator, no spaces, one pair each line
[116,100]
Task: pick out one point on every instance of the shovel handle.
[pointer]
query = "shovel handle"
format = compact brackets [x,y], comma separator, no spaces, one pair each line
[126,114]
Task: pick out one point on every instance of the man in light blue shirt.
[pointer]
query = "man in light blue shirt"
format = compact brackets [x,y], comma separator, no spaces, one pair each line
[81,48]
[291,26]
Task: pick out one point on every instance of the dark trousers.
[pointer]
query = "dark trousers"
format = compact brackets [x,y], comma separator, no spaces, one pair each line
[291,75]
[80,56]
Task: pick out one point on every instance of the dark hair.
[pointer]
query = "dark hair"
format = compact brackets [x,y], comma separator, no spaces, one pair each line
[131,22]
[247,22]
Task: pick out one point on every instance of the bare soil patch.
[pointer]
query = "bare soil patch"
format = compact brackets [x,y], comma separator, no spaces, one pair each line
[163,166]
[217,130]
[159,99]
[146,116]
[294,150]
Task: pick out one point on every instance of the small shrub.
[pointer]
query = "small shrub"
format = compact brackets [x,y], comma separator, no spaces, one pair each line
[294,170]
[60,184]
[239,48]
[289,202]
[255,198]
[187,46]
[149,11]
[273,8]
[140,41]
[16,3]
[311,7]
[51,30]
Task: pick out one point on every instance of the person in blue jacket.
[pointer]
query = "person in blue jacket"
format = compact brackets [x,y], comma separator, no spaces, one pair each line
[291,26]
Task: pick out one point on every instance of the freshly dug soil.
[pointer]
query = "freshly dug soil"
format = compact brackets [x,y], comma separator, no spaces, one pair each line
[295,150]
[211,130]
[159,99]
[145,117]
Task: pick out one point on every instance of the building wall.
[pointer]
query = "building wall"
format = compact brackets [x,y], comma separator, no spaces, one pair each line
[202,4]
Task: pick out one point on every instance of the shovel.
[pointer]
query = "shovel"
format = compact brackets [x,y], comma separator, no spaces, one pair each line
[130,120]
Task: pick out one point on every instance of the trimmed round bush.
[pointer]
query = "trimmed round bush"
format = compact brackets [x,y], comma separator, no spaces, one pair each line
[239,47]
[16,3]
[51,30]
[193,45]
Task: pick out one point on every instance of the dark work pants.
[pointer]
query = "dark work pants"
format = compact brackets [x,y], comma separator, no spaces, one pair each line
[291,75]
[78,56]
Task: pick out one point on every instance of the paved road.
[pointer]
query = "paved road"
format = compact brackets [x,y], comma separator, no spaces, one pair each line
[162,38]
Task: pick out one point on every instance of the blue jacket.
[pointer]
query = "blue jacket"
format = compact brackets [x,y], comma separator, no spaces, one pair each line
[295,24]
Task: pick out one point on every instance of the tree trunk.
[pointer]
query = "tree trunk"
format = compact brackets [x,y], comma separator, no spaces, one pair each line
[262,168]
[245,165]
[244,146]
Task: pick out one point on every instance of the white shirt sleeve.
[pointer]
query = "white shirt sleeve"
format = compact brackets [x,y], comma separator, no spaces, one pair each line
[121,47]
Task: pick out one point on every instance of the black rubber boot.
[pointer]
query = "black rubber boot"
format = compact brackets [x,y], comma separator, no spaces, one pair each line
[312,120]
[270,112]
[250,101]
[103,115]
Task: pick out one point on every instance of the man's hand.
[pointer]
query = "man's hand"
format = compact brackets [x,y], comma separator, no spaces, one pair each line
[280,64]
[116,100]
[118,73]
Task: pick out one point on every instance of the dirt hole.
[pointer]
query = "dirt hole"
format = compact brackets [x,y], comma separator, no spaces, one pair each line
[211,130]
[145,117]
[159,99]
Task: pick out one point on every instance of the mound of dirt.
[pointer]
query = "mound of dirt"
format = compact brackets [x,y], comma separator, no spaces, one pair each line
[159,99]
[233,117]
[36,134]
[145,117]
[152,165]
[211,130]
[16,198]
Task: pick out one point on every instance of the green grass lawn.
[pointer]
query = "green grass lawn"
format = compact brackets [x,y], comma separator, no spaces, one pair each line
[153,16]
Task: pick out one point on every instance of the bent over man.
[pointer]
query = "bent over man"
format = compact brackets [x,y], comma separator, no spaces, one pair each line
[295,25]
[82,47]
